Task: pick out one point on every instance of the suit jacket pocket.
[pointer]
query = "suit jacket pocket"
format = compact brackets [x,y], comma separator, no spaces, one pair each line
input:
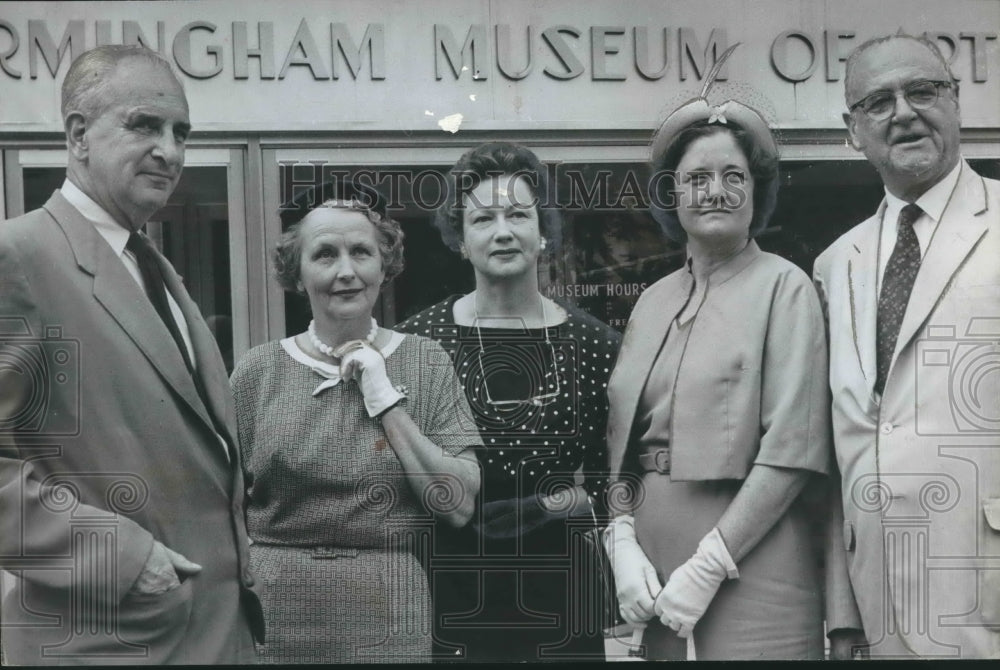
[990,579]
[991,508]
[157,621]
[849,536]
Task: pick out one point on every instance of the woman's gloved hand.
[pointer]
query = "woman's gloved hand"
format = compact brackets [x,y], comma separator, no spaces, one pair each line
[691,587]
[635,577]
[366,365]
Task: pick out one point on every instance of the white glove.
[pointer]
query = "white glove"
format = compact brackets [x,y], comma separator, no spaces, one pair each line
[691,587]
[366,365]
[635,577]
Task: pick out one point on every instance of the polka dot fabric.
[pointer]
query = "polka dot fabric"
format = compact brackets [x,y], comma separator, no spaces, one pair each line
[533,449]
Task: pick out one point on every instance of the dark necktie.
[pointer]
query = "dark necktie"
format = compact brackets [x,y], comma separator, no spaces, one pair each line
[900,274]
[156,289]
[152,277]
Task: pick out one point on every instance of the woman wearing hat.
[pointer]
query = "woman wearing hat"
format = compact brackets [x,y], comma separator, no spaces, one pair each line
[719,411]
[534,372]
[352,444]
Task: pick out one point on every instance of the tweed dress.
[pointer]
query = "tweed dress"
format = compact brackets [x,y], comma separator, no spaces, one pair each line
[338,531]
[529,595]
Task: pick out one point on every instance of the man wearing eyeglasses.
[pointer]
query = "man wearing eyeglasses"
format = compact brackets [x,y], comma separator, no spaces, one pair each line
[913,305]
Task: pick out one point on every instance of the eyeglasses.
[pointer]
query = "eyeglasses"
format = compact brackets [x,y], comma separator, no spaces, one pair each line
[536,401]
[880,105]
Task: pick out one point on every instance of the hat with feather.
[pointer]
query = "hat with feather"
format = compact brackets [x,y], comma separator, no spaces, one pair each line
[724,112]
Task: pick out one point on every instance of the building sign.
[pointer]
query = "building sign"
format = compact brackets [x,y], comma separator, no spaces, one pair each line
[454,64]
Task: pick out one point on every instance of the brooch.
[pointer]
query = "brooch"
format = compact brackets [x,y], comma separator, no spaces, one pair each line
[718,114]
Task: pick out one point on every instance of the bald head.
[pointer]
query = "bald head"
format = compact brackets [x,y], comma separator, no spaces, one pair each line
[914,139]
[850,78]
[86,88]
[126,121]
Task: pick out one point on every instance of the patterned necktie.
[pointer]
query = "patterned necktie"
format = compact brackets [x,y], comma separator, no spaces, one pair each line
[900,274]
[152,277]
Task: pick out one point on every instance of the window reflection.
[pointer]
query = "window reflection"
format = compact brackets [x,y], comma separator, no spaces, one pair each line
[612,248]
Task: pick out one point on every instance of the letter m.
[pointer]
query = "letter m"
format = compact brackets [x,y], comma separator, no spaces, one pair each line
[691,51]
[39,41]
[473,51]
[373,42]
[592,198]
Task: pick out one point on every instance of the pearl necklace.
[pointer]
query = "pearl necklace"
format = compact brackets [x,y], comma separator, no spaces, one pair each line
[325,348]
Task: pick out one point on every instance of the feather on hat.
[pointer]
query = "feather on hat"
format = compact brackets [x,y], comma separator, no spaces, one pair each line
[699,109]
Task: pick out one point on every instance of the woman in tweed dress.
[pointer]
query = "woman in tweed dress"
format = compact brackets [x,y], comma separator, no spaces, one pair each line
[354,438]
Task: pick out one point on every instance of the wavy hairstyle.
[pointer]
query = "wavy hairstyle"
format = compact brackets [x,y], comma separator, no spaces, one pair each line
[494,159]
[287,257]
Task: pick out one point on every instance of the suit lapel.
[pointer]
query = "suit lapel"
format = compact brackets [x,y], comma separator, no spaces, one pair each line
[208,362]
[956,235]
[119,294]
[862,271]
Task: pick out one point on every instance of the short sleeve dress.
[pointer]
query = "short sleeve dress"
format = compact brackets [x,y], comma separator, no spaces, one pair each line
[757,325]
[336,527]
[516,590]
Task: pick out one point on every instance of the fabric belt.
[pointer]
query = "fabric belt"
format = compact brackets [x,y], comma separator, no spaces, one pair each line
[333,552]
[656,460]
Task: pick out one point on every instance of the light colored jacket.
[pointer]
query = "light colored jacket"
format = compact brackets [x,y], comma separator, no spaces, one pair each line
[752,382]
[921,469]
[117,449]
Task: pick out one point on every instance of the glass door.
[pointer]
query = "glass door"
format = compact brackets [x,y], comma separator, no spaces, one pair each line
[411,178]
[611,250]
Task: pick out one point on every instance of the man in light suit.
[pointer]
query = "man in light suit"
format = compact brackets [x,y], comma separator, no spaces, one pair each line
[912,297]
[121,519]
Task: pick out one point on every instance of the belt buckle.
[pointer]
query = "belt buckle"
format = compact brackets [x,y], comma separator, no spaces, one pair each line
[330,553]
[661,461]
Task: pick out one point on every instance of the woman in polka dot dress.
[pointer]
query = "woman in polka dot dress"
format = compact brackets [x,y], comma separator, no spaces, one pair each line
[510,586]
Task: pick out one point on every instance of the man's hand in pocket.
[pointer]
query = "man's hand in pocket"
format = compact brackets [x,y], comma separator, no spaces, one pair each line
[163,571]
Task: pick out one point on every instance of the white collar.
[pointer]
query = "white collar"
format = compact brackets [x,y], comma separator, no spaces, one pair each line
[330,372]
[935,199]
[113,232]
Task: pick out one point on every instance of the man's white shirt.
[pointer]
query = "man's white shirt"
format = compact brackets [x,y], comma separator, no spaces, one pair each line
[933,204]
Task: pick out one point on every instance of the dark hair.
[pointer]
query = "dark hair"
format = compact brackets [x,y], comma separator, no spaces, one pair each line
[762,161]
[490,160]
[287,257]
[85,86]
[852,58]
